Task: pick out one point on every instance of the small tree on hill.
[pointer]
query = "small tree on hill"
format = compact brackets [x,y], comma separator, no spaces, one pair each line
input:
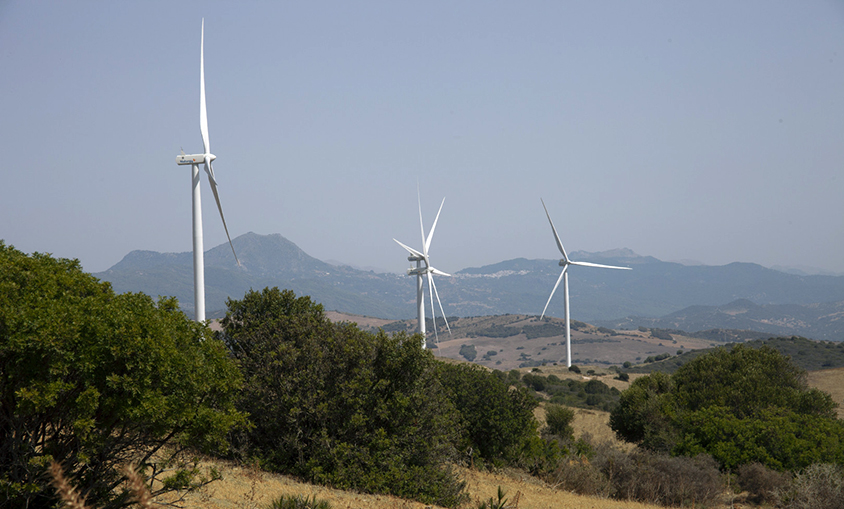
[94,380]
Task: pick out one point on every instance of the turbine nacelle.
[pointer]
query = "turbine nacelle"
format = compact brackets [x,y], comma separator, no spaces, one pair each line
[184,159]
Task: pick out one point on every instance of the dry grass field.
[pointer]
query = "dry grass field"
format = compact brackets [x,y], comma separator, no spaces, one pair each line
[250,489]
[831,381]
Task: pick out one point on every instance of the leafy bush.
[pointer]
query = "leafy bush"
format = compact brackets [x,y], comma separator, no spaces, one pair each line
[341,406]
[468,352]
[559,421]
[497,423]
[741,405]
[94,380]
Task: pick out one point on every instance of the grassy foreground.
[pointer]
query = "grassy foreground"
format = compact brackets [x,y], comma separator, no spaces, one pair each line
[251,489]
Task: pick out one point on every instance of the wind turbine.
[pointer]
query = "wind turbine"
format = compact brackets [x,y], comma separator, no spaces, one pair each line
[564,276]
[427,271]
[195,160]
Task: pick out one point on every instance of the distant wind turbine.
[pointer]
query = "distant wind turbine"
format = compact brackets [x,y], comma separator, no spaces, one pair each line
[564,276]
[428,271]
[195,160]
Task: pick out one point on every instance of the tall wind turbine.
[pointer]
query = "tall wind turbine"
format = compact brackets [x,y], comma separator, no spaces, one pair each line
[195,160]
[427,271]
[564,276]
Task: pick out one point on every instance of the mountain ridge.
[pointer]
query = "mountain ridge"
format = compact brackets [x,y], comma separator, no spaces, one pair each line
[653,289]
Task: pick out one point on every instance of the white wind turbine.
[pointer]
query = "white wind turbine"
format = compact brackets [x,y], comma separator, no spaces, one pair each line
[564,276]
[195,160]
[428,271]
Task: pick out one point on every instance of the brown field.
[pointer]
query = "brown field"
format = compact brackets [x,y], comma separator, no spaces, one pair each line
[831,381]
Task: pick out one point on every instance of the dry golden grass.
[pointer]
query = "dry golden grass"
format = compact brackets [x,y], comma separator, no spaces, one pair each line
[250,489]
[831,381]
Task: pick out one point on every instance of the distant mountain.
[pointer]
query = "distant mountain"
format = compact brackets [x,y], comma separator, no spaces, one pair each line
[823,321]
[266,260]
[652,289]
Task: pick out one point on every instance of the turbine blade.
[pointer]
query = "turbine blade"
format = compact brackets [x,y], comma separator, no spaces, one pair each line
[410,249]
[433,227]
[554,290]
[203,115]
[590,264]
[422,226]
[439,272]
[556,236]
[433,315]
[213,183]
[437,295]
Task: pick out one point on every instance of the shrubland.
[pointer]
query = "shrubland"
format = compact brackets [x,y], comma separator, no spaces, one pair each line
[97,381]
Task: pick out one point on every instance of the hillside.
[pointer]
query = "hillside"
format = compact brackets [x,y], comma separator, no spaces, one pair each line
[244,487]
[785,304]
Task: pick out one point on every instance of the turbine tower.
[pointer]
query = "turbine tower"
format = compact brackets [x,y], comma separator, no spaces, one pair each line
[426,271]
[194,160]
[564,276]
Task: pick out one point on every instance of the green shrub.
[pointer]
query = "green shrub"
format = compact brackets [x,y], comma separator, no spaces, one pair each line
[468,352]
[497,423]
[298,502]
[559,421]
[741,405]
[341,406]
[95,380]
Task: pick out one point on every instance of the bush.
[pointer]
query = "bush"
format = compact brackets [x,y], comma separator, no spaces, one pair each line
[299,502]
[468,352]
[559,421]
[95,380]
[741,405]
[497,423]
[665,480]
[761,482]
[341,406]
[820,486]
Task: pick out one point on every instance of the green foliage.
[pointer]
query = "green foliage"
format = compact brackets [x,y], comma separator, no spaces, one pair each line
[559,421]
[740,405]
[94,380]
[338,405]
[468,352]
[498,423]
[299,502]
[593,394]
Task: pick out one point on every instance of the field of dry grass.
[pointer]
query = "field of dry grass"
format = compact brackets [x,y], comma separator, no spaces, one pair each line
[250,489]
[831,381]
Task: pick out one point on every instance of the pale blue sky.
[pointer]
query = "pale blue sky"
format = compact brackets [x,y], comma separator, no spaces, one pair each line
[711,131]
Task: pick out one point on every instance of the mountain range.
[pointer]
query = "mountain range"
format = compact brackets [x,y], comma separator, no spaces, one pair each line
[654,294]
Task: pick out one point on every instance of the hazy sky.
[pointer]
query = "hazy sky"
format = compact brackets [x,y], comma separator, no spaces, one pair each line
[711,131]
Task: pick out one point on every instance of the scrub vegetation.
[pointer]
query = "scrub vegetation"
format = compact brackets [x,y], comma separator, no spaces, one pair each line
[116,397]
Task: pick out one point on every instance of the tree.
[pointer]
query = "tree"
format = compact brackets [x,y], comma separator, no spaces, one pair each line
[94,380]
[740,405]
[497,422]
[338,405]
